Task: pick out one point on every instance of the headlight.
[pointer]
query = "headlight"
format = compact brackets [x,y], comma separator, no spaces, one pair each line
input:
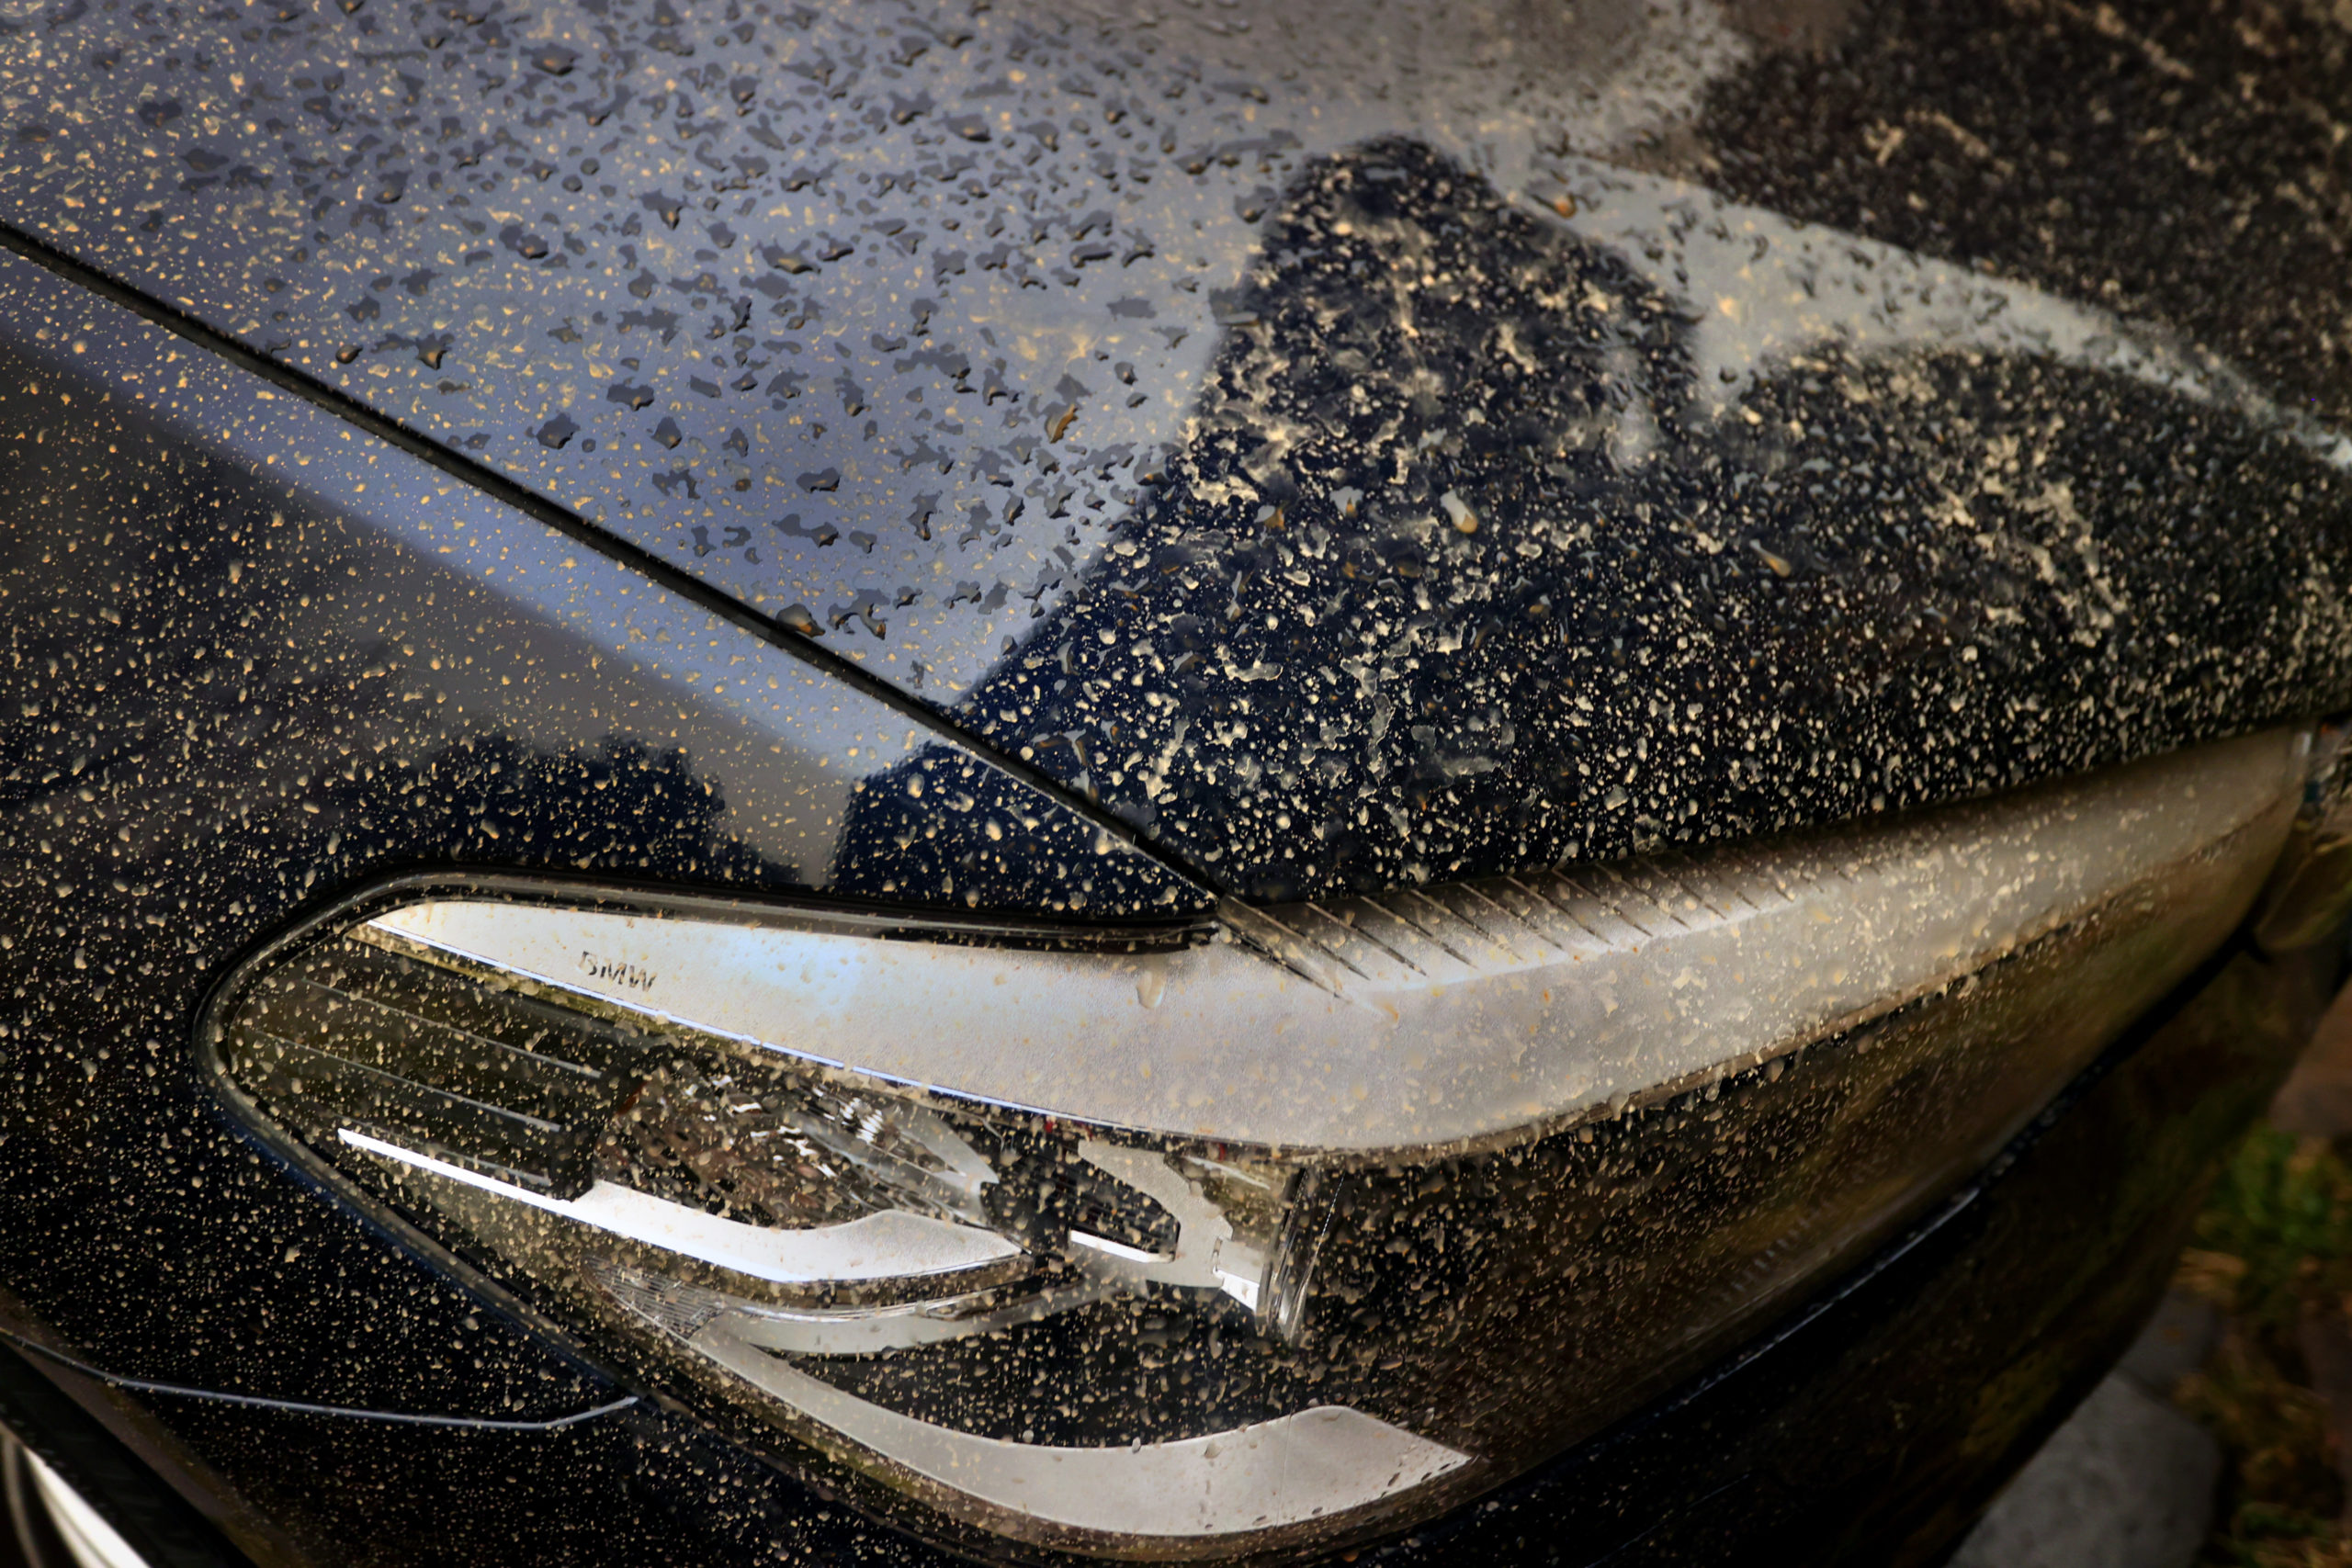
[1268,1235]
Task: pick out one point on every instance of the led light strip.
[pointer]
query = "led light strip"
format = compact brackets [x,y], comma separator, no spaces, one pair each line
[1448,1014]
[1323,1460]
[891,1244]
[1314,1464]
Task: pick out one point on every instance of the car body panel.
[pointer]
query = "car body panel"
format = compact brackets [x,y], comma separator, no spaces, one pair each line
[1874,1424]
[1803,482]
[1356,444]
[257,655]
[1865,1429]
[345,634]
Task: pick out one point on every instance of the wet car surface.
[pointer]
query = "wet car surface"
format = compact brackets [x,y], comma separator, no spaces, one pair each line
[1264,519]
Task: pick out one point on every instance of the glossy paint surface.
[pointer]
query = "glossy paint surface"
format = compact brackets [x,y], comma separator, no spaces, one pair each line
[1358,445]
[227,606]
[1872,1427]
[254,656]
[1344,401]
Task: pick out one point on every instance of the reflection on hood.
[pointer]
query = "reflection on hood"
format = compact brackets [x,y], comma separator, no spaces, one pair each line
[1460,572]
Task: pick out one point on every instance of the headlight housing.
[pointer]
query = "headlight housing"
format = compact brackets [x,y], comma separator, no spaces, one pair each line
[1249,1239]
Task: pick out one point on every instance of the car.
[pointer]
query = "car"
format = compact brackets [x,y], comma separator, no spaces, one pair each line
[1032,781]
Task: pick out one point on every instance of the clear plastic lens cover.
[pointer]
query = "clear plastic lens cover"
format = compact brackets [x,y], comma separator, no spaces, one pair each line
[903,1270]
[1030,1328]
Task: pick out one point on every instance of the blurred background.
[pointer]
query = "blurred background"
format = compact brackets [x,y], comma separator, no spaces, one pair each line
[2225,1436]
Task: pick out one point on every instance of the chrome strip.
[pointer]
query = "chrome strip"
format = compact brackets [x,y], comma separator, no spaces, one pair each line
[1450,1015]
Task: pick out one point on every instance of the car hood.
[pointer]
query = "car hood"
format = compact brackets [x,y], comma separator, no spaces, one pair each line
[1357,444]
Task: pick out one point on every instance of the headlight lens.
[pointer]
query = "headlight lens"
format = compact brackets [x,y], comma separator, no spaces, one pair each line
[1249,1239]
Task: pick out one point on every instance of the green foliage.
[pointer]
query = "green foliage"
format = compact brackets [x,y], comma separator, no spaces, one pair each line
[2283,1208]
[2280,1487]
[2274,1242]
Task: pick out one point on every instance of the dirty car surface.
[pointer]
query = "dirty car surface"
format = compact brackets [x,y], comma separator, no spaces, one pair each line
[1040,782]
